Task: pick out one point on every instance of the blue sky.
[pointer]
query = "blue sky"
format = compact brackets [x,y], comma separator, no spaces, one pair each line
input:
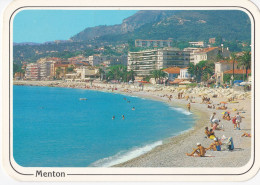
[49,25]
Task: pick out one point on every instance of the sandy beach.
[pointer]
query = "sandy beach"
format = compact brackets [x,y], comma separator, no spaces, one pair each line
[172,152]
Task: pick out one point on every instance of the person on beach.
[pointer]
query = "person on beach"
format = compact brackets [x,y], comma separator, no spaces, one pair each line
[188,106]
[215,146]
[234,122]
[246,135]
[207,132]
[211,118]
[238,121]
[198,152]
[211,134]
[216,124]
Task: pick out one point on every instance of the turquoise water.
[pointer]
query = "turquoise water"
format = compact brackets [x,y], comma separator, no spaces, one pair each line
[53,128]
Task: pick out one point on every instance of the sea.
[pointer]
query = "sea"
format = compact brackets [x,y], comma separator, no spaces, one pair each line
[54,127]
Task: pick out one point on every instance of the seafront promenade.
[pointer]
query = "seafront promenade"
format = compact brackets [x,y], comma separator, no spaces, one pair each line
[172,152]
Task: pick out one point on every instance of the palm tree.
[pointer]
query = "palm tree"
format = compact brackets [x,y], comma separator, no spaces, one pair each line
[58,72]
[154,74]
[131,75]
[233,59]
[245,61]
[158,74]
[101,73]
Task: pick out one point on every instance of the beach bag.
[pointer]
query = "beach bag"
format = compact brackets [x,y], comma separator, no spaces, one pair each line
[230,143]
[212,137]
[218,148]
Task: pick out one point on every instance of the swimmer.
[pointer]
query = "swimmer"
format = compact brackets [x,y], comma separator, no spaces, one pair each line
[133,108]
[113,117]
[123,117]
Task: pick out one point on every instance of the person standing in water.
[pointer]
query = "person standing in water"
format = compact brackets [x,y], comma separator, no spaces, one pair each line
[113,117]
[188,106]
[123,117]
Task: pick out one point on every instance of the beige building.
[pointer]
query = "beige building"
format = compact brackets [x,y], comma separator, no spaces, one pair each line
[83,73]
[143,62]
[209,54]
[222,66]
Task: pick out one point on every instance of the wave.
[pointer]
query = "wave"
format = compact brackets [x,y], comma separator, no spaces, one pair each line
[181,110]
[124,156]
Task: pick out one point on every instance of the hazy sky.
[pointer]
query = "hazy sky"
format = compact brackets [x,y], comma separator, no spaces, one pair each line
[49,25]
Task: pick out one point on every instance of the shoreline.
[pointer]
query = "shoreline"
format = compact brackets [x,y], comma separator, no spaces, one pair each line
[172,151]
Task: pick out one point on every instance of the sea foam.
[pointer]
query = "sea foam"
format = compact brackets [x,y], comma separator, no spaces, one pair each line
[181,110]
[124,156]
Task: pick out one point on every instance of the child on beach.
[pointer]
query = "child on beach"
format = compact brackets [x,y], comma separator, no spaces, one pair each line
[198,152]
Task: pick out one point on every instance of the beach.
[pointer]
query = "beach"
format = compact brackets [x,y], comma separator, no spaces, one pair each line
[172,153]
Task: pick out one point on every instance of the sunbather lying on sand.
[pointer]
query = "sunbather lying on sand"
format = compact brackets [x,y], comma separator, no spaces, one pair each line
[198,152]
[221,108]
[246,135]
[215,146]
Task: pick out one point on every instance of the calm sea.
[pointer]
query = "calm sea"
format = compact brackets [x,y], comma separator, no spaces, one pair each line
[53,128]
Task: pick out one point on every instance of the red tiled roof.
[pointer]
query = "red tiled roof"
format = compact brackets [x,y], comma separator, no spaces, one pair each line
[227,61]
[209,49]
[172,70]
[238,71]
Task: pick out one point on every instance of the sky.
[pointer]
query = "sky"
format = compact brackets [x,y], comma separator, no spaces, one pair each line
[48,25]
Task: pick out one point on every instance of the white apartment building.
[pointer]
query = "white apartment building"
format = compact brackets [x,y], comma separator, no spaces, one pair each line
[143,62]
[45,70]
[153,43]
[199,43]
[95,60]
[32,71]
[184,74]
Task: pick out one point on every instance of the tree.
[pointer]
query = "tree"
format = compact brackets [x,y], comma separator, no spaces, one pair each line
[70,69]
[245,61]
[58,72]
[233,59]
[131,75]
[158,74]
[201,71]
[101,72]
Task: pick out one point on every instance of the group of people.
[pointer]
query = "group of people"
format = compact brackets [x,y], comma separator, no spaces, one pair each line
[123,116]
[217,143]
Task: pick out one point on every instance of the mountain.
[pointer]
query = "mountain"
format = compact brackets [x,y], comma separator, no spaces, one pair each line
[186,25]
[128,25]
